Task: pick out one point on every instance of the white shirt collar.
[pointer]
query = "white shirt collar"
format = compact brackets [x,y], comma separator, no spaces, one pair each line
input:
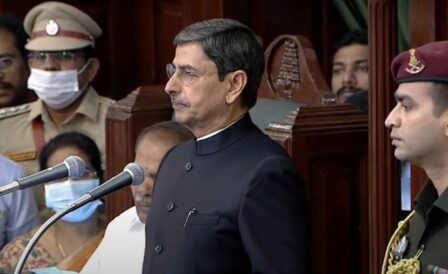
[218,131]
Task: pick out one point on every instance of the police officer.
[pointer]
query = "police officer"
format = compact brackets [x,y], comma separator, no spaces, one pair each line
[62,62]
[419,133]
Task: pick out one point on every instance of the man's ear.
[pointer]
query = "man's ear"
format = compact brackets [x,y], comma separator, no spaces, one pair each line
[237,80]
[444,116]
[446,127]
[93,68]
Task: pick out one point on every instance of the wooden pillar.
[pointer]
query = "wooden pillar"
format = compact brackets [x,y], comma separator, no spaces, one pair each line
[383,186]
[421,31]
[422,22]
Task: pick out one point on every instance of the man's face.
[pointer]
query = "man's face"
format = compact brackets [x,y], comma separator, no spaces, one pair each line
[13,71]
[197,95]
[65,60]
[149,154]
[350,72]
[418,136]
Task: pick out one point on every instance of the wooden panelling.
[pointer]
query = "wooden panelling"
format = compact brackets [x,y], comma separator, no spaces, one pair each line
[125,120]
[328,144]
[330,151]
[383,187]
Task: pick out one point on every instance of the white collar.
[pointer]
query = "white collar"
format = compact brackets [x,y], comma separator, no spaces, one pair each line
[218,131]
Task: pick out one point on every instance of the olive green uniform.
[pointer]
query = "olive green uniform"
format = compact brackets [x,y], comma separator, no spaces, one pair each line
[429,228]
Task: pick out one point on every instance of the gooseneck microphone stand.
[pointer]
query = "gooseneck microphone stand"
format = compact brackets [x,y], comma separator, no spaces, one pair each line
[29,247]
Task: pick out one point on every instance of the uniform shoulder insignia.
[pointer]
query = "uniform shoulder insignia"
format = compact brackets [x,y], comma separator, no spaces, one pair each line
[15,110]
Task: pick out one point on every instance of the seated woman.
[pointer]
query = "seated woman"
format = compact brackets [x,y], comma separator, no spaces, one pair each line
[75,229]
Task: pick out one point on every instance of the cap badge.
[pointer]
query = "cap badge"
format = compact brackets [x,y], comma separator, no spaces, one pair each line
[414,65]
[52,28]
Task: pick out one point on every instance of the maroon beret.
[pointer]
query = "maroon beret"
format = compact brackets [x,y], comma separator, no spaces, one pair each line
[427,63]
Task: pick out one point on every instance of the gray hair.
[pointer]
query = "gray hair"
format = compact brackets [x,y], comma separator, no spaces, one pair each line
[231,46]
[169,132]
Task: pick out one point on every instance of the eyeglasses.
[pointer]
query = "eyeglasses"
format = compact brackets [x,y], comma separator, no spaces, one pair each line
[6,62]
[62,57]
[188,76]
[88,174]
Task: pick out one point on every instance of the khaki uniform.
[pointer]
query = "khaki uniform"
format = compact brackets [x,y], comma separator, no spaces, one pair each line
[16,134]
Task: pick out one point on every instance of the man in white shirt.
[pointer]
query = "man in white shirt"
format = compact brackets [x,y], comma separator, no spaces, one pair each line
[123,246]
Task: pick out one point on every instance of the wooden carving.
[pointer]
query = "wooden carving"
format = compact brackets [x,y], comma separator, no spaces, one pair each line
[293,73]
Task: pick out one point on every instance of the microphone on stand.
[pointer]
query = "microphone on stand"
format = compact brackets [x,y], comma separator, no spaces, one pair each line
[73,167]
[132,174]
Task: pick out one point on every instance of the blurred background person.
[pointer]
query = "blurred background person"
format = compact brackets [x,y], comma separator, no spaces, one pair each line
[14,71]
[18,210]
[76,228]
[123,246]
[350,70]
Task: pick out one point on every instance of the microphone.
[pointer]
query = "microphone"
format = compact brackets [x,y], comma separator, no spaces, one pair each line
[436,269]
[132,174]
[73,167]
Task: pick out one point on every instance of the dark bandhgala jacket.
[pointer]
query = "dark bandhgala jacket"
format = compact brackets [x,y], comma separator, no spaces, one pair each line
[232,203]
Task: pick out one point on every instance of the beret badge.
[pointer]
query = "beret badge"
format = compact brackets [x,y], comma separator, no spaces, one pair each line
[414,65]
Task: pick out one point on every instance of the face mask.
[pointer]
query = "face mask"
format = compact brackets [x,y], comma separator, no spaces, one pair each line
[57,89]
[59,195]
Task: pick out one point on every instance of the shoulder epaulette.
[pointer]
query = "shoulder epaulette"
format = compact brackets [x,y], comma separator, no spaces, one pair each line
[15,110]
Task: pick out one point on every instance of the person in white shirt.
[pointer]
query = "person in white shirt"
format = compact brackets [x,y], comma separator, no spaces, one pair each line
[123,245]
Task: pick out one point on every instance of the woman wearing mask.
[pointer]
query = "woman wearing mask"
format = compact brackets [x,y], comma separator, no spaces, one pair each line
[77,228]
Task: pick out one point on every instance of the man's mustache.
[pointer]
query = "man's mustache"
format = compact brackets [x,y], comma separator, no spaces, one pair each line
[344,89]
[143,199]
[176,100]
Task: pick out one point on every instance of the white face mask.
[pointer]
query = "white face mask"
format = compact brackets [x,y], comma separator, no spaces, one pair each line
[57,89]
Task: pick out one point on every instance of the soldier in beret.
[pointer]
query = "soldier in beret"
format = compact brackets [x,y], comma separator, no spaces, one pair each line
[419,132]
[63,65]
